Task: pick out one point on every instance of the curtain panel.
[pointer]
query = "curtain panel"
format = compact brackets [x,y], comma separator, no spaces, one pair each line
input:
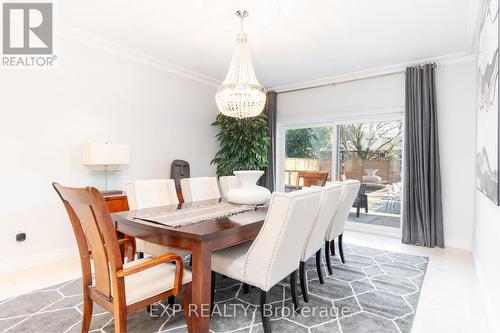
[422,207]
[269,180]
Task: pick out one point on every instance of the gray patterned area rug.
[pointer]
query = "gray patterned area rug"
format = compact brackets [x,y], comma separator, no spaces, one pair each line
[375,291]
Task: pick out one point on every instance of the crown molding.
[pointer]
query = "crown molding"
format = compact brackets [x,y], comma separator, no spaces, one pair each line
[374,72]
[84,38]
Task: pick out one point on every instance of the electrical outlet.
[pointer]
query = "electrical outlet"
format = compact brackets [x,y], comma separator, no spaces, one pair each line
[21,237]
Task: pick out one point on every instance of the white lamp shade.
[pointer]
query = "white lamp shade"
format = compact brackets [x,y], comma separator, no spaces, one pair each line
[105,154]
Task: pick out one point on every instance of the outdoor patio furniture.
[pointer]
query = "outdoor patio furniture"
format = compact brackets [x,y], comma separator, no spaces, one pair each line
[311,178]
[394,194]
[361,200]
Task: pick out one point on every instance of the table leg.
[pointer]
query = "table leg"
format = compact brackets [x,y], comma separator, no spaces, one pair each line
[200,297]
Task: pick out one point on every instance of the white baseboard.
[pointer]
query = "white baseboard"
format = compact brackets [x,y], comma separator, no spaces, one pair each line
[458,244]
[17,264]
[491,311]
[396,233]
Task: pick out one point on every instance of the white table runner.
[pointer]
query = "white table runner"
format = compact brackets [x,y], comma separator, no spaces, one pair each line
[195,214]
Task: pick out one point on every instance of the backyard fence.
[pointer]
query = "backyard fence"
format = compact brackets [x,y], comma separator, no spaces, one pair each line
[388,170]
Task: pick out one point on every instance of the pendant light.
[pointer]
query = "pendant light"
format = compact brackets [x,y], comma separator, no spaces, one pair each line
[241,95]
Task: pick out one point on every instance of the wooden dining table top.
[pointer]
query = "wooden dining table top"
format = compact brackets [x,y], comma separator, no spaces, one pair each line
[200,231]
[200,238]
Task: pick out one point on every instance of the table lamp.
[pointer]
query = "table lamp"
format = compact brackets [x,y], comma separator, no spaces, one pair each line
[106,157]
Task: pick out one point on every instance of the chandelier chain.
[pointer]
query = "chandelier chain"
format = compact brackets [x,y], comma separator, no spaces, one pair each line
[241,14]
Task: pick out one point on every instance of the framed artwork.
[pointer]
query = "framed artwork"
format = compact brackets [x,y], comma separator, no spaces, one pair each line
[487,159]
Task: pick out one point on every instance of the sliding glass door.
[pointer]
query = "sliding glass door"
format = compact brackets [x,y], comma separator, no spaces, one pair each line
[372,153]
[367,150]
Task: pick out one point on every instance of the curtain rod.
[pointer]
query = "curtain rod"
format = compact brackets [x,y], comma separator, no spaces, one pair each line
[351,80]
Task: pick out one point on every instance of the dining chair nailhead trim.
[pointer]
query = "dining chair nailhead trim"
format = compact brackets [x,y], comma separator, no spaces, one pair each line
[285,220]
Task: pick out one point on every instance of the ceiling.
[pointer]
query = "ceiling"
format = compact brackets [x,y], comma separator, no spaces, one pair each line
[291,40]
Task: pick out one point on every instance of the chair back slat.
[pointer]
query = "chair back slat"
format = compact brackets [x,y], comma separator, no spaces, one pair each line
[94,230]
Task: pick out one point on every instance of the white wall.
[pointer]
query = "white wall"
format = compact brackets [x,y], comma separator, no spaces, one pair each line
[486,252]
[368,96]
[455,89]
[386,95]
[89,96]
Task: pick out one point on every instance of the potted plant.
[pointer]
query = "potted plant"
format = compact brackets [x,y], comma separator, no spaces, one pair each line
[243,144]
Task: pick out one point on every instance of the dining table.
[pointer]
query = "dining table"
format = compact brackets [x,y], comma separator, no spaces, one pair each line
[200,238]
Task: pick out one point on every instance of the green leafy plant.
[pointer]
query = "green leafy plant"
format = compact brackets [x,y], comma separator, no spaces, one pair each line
[243,144]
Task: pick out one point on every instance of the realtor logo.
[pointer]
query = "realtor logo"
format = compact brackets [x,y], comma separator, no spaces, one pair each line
[27,28]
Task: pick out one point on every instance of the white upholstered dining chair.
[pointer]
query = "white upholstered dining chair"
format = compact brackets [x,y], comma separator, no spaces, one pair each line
[199,189]
[277,249]
[152,193]
[336,228]
[227,183]
[330,200]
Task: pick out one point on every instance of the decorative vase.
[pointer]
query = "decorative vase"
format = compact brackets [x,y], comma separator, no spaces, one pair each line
[371,176]
[249,193]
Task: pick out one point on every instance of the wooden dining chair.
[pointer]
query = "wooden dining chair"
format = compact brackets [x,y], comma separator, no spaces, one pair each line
[117,287]
[311,178]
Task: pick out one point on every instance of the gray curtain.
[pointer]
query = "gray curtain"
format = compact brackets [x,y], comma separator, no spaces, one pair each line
[422,208]
[270,110]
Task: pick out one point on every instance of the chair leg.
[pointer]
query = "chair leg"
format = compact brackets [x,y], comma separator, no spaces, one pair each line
[341,249]
[266,323]
[190,260]
[332,247]
[186,300]
[212,292]
[140,255]
[120,321]
[357,211]
[303,281]
[293,290]
[87,312]
[246,288]
[171,300]
[318,266]
[327,257]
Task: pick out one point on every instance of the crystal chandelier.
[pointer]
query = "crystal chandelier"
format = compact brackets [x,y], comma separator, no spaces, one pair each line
[241,95]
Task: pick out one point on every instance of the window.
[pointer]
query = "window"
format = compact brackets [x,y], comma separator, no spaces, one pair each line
[307,149]
[356,148]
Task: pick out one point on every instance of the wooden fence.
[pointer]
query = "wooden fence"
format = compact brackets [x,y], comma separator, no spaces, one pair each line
[388,170]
